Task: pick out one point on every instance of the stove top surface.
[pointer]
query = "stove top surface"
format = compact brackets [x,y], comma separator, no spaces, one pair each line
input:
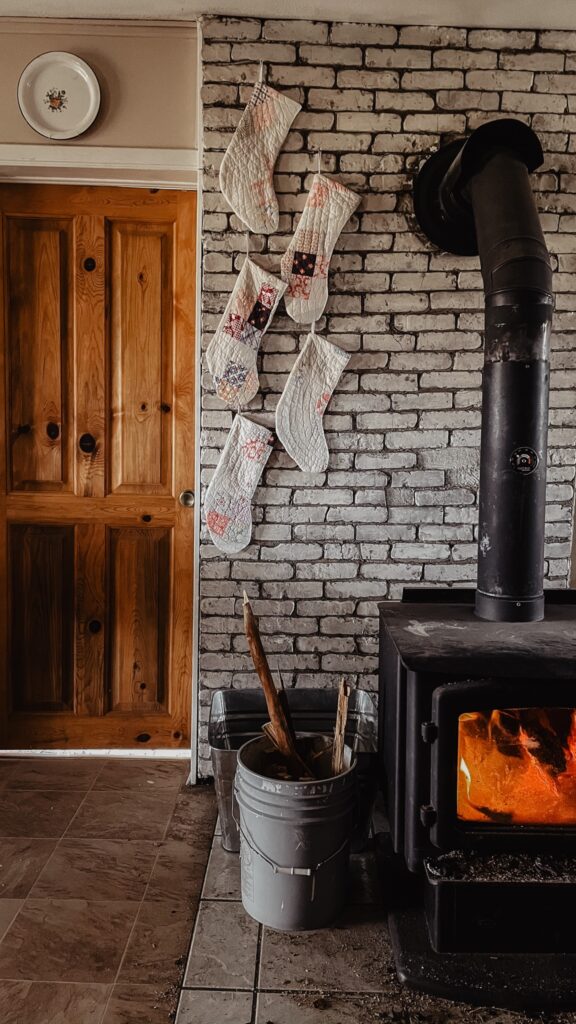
[437,631]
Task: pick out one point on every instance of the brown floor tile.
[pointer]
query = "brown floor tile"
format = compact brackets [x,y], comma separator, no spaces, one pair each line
[8,911]
[141,1004]
[352,956]
[67,940]
[223,953]
[179,871]
[147,774]
[159,944]
[122,815]
[97,869]
[25,1002]
[21,861]
[54,773]
[310,1008]
[37,814]
[194,815]
[223,876]
[216,1008]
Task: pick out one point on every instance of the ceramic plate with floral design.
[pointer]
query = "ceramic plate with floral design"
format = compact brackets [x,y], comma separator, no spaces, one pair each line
[59,95]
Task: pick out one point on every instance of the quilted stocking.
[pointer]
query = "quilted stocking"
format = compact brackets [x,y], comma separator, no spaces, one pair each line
[308,390]
[305,263]
[231,354]
[228,498]
[248,165]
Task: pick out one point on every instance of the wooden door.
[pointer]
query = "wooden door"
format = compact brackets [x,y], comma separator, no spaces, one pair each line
[97,382]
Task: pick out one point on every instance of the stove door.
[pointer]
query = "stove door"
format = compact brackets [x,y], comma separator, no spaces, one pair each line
[503,762]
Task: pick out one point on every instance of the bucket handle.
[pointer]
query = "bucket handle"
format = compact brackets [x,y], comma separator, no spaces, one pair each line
[277,868]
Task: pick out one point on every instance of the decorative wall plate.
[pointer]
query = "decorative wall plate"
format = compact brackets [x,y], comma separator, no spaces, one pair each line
[59,95]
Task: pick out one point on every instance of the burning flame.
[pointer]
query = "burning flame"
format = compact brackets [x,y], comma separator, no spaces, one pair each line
[517,766]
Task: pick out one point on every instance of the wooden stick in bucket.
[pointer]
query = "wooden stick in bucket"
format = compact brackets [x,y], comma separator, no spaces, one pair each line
[340,730]
[279,720]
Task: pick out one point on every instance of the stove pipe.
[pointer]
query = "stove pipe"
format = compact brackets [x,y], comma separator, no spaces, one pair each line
[474,197]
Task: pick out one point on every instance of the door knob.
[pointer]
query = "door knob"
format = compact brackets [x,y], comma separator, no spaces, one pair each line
[187,498]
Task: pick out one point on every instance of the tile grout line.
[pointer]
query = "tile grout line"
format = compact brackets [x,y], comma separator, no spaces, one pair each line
[141,901]
[255,989]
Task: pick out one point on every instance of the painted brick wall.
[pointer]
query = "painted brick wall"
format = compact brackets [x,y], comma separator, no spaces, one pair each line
[398,504]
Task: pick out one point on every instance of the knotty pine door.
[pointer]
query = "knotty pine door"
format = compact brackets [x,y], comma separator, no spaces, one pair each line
[96,551]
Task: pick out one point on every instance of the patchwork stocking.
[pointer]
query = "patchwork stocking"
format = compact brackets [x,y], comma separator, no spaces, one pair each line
[248,164]
[228,498]
[231,354]
[308,390]
[305,263]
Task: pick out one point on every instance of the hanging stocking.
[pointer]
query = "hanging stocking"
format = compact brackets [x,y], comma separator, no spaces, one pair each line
[248,164]
[231,355]
[228,498]
[305,263]
[308,390]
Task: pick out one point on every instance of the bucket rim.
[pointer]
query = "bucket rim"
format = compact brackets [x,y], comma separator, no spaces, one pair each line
[292,782]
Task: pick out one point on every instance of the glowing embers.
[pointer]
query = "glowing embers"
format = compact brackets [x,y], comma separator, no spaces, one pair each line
[517,766]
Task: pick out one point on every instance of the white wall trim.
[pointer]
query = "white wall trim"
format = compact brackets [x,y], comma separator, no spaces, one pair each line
[180,754]
[99,165]
[195,713]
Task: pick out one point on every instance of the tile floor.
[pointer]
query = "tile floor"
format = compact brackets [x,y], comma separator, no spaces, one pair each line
[110,875]
[101,868]
[239,972]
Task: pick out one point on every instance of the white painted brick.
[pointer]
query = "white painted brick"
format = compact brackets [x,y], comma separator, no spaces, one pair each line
[340,56]
[478,59]
[496,80]
[382,35]
[501,40]
[230,28]
[362,122]
[275,53]
[397,58]
[564,41]
[415,35]
[433,80]
[296,31]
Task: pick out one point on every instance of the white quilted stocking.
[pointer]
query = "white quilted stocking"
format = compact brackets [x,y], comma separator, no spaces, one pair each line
[248,165]
[228,507]
[308,390]
[231,354]
[304,265]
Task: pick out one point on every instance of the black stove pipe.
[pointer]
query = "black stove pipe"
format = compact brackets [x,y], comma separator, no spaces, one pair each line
[475,197]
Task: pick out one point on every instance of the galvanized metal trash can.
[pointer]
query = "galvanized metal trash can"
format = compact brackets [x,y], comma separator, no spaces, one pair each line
[294,842]
[237,716]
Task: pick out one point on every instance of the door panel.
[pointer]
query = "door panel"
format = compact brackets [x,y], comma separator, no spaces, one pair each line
[98,343]
[141,290]
[38,335]
[140,607]
[42,565]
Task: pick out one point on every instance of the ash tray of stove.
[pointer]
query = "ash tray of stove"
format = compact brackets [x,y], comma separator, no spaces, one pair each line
[501,902]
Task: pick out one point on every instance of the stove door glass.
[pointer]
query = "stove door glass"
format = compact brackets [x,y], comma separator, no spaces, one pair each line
[517,766]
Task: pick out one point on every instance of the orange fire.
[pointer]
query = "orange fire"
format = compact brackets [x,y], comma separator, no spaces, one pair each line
[517,766]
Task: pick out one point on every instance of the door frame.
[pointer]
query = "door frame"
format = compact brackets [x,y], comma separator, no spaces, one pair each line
[191,752]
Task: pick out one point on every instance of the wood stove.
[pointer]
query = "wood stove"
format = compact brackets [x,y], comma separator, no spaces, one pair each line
[478,726]
[478,689]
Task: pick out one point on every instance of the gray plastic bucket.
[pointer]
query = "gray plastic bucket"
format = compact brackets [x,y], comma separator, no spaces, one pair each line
[237,716]
[294,843]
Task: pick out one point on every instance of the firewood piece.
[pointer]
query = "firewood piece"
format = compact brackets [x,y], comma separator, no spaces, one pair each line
[280,727]
[340,729]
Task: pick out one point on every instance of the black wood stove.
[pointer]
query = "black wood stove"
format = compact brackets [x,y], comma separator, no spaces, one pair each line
[478,689]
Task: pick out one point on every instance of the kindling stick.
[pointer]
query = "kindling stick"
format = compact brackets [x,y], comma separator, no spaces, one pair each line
[278,717]
[340,729]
